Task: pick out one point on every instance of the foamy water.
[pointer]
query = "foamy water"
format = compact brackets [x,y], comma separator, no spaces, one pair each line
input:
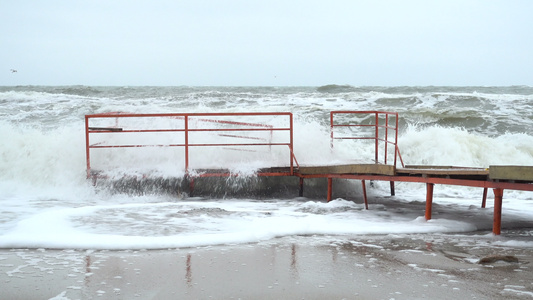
[46,200]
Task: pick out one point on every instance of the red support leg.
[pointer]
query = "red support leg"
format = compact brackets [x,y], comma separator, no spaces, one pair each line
[191,187]
[429,200]
[301,191]
[484,200]
[364,194]
[330,188]
[497,224]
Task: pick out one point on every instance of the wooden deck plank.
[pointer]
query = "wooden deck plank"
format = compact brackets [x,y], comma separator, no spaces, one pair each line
[522,173]
[438,167]
[440,171]
[378,169]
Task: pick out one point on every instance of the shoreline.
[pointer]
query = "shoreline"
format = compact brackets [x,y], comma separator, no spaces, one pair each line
[421,266]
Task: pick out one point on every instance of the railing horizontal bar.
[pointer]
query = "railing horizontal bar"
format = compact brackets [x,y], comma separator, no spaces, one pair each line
[233,122]
[239,129]
[104,129]
[191,130]
[388,127]
[363,112]
[354,138]
[353,125]
[190,145]
[243,137]
[386,141]
[136,146]
[140,130]
[129,115]
[363,125]
[362,138]
[250,144]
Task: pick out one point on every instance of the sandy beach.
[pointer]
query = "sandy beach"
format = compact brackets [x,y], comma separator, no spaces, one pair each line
[420,266]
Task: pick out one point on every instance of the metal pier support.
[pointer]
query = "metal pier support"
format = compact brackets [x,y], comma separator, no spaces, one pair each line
[301,190]
[484,200]
[191,186]
[364,194]
[330,188]
[429,199]
[497,224]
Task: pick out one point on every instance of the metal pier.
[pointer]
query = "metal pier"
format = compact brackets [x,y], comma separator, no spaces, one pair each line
[266,133]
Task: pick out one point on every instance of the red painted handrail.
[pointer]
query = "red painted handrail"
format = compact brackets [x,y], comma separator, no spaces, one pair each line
[187,130]
[385,124]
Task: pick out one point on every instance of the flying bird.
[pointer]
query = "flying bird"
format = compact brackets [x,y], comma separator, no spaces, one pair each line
[13,71]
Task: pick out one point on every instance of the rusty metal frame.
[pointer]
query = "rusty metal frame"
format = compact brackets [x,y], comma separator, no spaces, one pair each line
[429,179]
[204,117]
[497,186]
[383,115]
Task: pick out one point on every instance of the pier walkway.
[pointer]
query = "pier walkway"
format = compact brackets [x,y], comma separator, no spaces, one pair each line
[269,135]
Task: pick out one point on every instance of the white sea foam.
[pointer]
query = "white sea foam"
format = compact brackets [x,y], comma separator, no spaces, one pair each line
[187,224]
[439,145]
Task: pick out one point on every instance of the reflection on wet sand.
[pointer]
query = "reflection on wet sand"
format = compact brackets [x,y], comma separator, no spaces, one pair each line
[297,267]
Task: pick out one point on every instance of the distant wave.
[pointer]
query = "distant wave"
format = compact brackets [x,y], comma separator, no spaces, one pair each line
[335,88]
[78,90]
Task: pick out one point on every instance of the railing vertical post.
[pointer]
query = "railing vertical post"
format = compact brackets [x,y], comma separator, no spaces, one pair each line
[377,137]
[186,119]
[386,135]
[87,149]
[331,129]
[292,145]
[396,140]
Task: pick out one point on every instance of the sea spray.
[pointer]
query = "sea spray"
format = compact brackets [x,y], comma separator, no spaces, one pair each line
[438,145]
[43,140]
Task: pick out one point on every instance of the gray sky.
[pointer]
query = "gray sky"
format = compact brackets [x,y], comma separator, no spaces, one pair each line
[269,42]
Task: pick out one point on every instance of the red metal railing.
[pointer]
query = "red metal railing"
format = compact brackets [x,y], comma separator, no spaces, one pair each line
[226,128]
[378,136]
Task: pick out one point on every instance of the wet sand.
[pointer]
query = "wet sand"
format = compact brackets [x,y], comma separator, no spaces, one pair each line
[314,267]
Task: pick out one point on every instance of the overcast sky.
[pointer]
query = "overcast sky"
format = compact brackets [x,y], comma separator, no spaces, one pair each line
[269,42]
